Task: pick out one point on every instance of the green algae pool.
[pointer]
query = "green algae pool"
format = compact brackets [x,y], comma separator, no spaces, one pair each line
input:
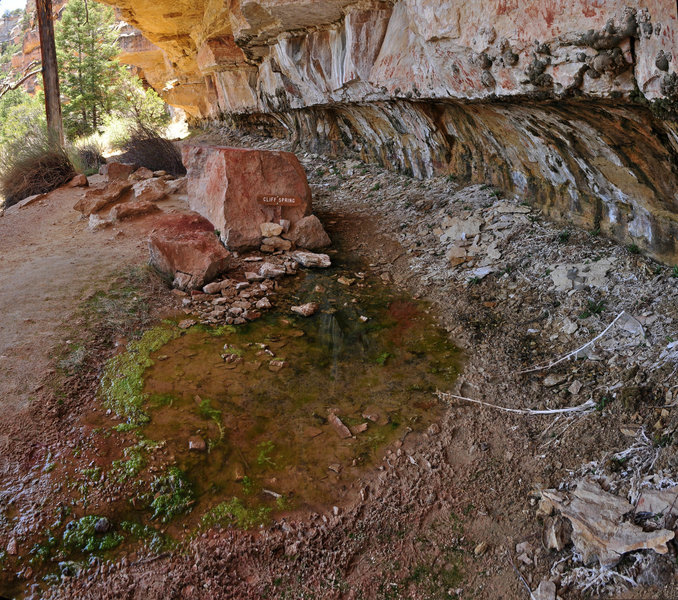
[284,413]
[233,426]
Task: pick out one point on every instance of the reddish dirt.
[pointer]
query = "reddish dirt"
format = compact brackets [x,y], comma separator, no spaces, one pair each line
[50,262]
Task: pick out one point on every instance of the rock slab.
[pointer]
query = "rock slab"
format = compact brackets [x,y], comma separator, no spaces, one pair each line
[101,197]
[186,248]
[225,185]
[599,531]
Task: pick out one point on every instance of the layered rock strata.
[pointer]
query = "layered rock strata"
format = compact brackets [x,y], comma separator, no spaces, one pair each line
[416,85]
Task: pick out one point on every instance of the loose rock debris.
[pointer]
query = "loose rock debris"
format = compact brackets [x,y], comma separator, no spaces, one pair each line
[599,531]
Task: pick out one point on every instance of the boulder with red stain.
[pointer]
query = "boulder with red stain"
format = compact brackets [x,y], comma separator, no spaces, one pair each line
[186,248]
[226,185]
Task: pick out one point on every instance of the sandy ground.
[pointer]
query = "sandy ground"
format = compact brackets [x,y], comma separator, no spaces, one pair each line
[50,261]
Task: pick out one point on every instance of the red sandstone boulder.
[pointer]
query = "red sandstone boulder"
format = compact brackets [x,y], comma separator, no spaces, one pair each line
[132,210]
[238,190]
[116,170]
[308,233]
[102,196]
[78,181]
[186,248]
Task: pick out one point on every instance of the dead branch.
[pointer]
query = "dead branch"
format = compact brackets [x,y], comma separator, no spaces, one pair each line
[7,86]
[588,406]
[574,352]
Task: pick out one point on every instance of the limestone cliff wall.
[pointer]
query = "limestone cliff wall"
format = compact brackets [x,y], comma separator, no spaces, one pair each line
[7,24]
[269,55]
[549,99]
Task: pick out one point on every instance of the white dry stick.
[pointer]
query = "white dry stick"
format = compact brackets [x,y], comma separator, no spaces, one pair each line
[522,579]
[588,406]
[575,352]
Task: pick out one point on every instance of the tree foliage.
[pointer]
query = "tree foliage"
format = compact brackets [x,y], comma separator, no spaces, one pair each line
[86,49]
[20,114]
[142,105]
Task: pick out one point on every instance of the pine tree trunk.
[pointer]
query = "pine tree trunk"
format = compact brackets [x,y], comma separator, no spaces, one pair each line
[50,74]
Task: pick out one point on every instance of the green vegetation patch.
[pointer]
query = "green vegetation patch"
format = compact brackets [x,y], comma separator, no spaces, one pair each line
[122,382]
[134,460]
[173,495]
[235,513]
[82,536]
[154,540]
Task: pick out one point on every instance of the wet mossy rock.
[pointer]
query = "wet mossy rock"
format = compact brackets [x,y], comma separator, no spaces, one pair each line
[88,535]
[550,101]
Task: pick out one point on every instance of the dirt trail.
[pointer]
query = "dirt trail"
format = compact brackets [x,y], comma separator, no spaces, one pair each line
[49,261]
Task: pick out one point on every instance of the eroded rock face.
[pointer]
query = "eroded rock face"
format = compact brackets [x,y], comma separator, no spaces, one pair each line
[391,81]
[242,54]
[226,186]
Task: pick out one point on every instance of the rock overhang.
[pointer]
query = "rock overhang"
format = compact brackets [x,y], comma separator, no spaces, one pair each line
[546,99]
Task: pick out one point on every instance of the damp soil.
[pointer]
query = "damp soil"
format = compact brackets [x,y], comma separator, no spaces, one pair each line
[293,409]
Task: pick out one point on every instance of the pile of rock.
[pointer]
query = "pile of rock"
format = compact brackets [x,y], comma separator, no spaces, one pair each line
[306,233]
[249,289]
[255,199]
[126,192]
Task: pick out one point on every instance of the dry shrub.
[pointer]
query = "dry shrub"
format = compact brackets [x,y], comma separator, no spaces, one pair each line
[90,156]
[147,148]
[32,165]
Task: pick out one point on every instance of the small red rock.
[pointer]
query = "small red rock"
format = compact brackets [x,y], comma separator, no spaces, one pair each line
[339,427]
[197,444]
[132,210]
[78,181]
[116,170]
[141,174]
